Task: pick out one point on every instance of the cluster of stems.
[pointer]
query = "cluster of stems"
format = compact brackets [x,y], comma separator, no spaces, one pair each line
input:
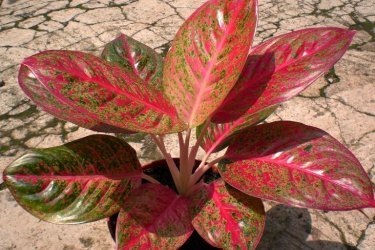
[185,177]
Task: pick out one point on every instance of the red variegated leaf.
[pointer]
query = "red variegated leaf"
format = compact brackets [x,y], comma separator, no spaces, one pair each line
[296,165]
[218,136]
[81,181]
[135,57]
[91,86]
[41,97]
[274,72]
[227,218]
[207,56]
[282,67]
[153,217]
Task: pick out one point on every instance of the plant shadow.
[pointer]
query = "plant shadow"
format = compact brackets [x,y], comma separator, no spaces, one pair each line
[289,227]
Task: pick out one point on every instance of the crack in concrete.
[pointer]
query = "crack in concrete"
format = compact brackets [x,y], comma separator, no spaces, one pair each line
[363,234]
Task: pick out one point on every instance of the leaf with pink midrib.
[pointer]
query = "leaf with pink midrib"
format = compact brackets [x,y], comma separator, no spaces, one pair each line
[153,217]
[227,218]
[296,165]
[207,56]
[275,71]
[41,97]
[104,92]
[81,181]
[282,67]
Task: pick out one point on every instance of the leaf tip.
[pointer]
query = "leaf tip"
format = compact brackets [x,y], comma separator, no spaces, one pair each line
[348,34]
[351,33]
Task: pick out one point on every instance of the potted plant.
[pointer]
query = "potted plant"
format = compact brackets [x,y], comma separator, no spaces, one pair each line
[213,81]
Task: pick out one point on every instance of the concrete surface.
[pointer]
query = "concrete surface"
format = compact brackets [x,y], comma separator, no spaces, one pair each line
[342,103]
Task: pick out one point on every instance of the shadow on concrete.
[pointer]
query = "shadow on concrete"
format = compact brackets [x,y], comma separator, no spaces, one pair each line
[289,227]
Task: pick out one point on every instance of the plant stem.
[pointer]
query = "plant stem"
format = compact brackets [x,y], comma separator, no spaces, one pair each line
[171,165]
[180,140]
[195,187]
[184,162]
[194,150]
[182,154]
[150,179]
[203,168]
[187,139]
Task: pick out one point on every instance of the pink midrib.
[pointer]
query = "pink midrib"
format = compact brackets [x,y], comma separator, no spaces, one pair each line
[109,87]
[235,239]
[282,66]
[224,134]
[75,177]
[210,66]
[322,177]
[126,46]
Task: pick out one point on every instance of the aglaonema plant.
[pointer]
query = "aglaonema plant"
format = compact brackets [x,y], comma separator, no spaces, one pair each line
[212,81]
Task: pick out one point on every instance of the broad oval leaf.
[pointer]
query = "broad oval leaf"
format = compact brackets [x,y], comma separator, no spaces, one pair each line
[282,67]
[228,219]
[153,217]
[81,181]
[136,57]
[103,92]
[41,97]
[297,165]
[275,71]
[207,56]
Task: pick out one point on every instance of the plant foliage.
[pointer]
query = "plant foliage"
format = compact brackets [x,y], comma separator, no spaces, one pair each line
[212,79]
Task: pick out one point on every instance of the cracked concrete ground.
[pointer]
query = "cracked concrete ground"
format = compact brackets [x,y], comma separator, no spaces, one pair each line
[342,103]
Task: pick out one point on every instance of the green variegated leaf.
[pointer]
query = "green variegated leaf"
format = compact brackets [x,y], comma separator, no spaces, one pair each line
[227,218]
[135,57]
[81,181]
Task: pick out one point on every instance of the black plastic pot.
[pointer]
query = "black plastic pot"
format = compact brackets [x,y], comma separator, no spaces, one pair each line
[160,171]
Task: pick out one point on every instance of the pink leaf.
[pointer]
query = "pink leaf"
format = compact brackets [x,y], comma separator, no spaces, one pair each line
[153,217]
[61,110]
[89,91]
[228,219]
[296,165]
[276,71]
[207,56]
[282,67]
